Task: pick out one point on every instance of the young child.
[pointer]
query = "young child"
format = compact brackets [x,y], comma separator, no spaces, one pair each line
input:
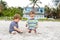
[32,23]
[13,29]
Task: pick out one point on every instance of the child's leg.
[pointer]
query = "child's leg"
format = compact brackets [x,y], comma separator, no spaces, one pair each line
[35,30]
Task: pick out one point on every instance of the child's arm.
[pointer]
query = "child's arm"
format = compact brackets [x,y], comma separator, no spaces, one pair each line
[37,24]
[17,29]
[27,24]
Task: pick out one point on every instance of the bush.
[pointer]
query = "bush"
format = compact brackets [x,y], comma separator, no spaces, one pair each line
[6,18]
[24,19]
[43,19]
[9,12]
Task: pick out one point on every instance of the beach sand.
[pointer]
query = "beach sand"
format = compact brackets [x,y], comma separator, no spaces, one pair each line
[45,31]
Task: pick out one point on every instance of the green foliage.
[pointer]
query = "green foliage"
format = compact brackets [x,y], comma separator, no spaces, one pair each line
[56,2]
[9,12]
[47,9]
[53,12]
[24,19]
[12,11]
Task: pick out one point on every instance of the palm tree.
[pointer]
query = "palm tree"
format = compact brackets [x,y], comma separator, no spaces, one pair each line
[56,2]
[34,2]
[2,6]
[58,10]
[47,11]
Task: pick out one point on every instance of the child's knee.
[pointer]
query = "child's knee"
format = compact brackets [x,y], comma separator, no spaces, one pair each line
[13,32]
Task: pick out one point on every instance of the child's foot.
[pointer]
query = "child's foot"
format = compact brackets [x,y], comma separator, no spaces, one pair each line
[29,32]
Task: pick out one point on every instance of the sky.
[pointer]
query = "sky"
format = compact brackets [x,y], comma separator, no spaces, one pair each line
[24,3]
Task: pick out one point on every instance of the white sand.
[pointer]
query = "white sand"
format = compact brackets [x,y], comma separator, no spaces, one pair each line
[49,31]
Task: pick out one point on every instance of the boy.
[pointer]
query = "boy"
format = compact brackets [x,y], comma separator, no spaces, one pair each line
[13,29]
[32,22]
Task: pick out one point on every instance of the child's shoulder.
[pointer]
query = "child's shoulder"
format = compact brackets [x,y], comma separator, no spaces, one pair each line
[12,22]
[36,20]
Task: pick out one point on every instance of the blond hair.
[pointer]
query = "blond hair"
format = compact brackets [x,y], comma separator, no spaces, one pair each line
[17,16]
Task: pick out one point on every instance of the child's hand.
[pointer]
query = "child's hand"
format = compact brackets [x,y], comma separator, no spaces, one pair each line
[36,27]
[20,32]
